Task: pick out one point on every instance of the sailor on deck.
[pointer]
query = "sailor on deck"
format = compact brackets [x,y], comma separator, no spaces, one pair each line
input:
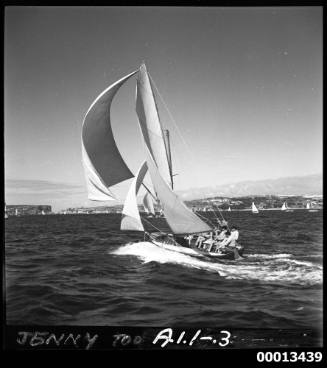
[232,239]
[209,242]
[231,242]
[200,240]
[222,235]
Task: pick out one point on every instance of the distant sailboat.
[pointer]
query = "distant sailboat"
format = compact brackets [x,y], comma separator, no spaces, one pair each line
[229,210]
[286,208]
[309,208]
[104,167]
[148,205]
[16,212]
[254,208]
[6,214]
[43,213]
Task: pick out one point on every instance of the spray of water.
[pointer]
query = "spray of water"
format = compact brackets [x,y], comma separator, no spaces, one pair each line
[279,268]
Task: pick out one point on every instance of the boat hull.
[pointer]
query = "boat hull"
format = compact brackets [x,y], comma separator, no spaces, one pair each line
[226,254]
[182,246]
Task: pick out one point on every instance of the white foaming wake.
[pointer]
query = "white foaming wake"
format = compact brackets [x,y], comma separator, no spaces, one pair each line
[269,256]
[271,268]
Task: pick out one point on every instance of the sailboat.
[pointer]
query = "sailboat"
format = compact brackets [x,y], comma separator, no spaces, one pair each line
[6,214]
[148,205]
[254,208]
[229,210]
[105,167]
[286,208]
[309,208]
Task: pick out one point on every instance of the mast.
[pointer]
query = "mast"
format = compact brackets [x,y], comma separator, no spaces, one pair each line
[168,150]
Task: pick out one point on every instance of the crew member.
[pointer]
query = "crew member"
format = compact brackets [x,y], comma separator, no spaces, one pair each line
[232,242]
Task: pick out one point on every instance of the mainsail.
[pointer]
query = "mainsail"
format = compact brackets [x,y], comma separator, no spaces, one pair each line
[284,207]
[152,131]
[308,205]
[180,218]
[103,164]
[148,204]
[131,217]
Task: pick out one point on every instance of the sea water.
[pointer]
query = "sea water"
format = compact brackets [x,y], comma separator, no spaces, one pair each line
[82,270]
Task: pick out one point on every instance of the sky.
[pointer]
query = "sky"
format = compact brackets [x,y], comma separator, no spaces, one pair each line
[242,85]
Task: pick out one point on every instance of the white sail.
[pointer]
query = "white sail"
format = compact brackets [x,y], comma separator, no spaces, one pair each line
[254,208]
[96,190]
[131,217]
[180,218]
[284,207]
[148,204]
[103,164]
[152,132]
[308,205]
[229,210]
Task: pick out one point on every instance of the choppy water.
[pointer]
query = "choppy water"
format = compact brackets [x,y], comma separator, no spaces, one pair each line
[80,269]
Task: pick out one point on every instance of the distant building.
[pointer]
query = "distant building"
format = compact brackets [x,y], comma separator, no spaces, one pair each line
[26,210]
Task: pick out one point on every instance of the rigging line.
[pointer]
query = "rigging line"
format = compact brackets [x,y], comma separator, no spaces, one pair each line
[206,219]
[219,212]
[149,191]
[152,225]
[223,218]
[214,211]
[171,116]
[174,122]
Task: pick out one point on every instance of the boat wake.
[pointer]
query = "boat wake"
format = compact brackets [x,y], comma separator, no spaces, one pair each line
[273,268]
